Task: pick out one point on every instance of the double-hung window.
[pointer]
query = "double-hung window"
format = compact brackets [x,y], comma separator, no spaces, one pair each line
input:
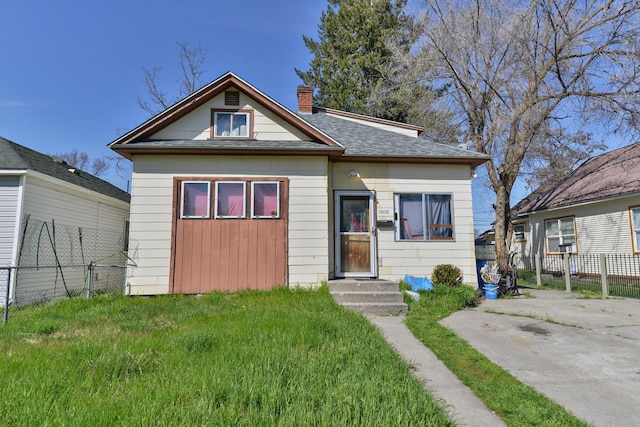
[634,213]
[231,124]
[560,234]
[421,216]
[518,232]
[196,199]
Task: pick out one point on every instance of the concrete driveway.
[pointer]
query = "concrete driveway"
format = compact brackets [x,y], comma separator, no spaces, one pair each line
[582,353]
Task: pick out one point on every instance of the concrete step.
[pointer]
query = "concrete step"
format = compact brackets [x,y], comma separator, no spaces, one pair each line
[378,309]
[368,285]
[369,296]
[364,296]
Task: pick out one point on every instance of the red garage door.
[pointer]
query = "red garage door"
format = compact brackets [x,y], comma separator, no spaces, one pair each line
[229,234]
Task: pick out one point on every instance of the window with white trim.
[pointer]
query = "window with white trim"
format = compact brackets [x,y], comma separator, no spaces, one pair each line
[195,199]
[519,232]
[560,235]
[265,201]
[634,213]
[231,124]
[421,216]
[230,199]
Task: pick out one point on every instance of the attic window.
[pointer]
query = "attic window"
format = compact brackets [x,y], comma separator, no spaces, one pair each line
[232,124]
[232,97]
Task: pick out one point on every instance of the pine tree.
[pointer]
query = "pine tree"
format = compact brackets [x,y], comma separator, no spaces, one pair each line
[351,51]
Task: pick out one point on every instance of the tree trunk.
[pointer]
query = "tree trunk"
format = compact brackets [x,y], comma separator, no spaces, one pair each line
[502,224]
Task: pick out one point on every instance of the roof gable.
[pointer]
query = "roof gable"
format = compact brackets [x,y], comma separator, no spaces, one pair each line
[17,157]
[612,174]
[159,125]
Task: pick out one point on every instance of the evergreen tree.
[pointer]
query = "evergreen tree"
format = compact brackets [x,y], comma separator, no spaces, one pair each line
[350,53]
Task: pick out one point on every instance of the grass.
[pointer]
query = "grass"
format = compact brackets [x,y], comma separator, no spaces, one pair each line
[516,403]
[283,357]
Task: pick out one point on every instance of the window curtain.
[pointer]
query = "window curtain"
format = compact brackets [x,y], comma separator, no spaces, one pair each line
[195,199]
[411,210]
[440,213]
[231,199]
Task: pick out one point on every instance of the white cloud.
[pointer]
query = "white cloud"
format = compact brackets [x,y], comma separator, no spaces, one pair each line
[11,103]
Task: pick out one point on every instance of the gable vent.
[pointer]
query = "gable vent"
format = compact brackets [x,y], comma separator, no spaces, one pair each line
[232,97]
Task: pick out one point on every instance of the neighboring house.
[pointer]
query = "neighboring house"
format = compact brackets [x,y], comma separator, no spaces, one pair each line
[485,245]
[231,190]
[36,188]
[595,210]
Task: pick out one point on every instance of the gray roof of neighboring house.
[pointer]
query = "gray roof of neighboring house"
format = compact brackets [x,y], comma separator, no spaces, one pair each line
[362,140]
[611,174]
[17,157]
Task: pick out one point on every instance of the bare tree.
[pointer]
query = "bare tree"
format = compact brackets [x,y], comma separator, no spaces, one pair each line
[523,77]
[192,61]
[82,161]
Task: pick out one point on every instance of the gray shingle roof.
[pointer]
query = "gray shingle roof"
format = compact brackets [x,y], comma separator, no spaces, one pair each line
[233,144]
[17,157]
[611,174]
[362,140]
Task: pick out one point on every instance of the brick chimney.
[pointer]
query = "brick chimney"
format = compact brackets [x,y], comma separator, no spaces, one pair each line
[305,99]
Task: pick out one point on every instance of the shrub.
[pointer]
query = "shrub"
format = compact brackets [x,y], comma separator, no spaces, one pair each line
[446,274]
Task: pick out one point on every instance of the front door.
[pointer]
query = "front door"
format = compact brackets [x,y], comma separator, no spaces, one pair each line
[355,234]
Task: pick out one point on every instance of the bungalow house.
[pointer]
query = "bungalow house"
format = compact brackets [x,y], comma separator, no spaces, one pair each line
[595,210]
[231,190]
[36,189]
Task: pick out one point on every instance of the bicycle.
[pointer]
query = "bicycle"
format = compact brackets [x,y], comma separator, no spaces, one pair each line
[511,277]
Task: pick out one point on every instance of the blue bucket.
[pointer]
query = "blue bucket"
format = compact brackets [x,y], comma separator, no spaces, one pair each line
[491,291]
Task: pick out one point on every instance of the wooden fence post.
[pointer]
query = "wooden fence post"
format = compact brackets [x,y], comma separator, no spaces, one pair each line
[603,275]
[567,272]
[538,270]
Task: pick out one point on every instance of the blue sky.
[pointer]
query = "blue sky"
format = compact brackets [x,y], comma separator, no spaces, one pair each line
[72,70]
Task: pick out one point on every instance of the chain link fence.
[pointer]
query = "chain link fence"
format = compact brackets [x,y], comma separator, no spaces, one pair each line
[616,275]
[63,261]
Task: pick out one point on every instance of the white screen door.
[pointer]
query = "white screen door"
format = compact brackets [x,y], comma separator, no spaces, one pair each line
[355,234]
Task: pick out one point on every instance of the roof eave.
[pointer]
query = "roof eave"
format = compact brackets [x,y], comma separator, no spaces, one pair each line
[128,151]
[473,162]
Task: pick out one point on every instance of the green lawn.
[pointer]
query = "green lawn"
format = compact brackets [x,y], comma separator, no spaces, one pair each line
[290,358]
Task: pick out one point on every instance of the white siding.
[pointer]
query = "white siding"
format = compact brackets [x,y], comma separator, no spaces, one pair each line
[152,204]
[46,199]
[197,124]
[601,227]
[71,208]
[9,198]
[9,229]
[398,258]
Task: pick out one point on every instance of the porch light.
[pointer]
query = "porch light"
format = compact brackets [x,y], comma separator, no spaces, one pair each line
[354,173]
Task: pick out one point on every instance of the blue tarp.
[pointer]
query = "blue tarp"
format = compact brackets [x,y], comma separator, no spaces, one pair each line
[418,283]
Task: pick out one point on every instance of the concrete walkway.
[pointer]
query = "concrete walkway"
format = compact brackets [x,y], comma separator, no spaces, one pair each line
[584,354]
[461,404]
